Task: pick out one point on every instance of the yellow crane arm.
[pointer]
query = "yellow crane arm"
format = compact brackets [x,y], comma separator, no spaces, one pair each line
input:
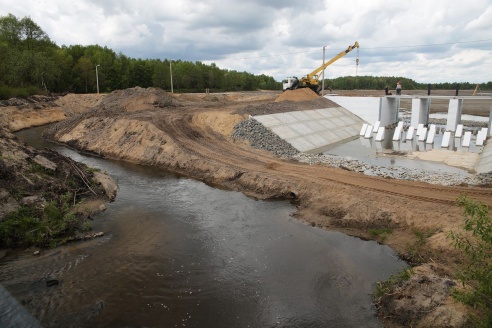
[312,78]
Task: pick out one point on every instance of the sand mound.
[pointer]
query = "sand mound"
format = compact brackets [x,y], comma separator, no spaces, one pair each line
[137,99]
[301,94]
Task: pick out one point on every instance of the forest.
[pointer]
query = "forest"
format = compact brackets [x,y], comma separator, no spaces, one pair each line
[31,63]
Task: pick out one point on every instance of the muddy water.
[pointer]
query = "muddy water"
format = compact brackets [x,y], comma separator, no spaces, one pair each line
[179,253]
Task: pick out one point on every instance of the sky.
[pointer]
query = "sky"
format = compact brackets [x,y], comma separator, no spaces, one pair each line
[429,41]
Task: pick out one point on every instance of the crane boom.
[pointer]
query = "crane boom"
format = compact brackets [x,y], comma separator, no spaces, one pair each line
[312,79]
[314,75]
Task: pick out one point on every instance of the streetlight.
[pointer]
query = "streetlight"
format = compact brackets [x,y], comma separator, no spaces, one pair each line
[323,82]
[97,79]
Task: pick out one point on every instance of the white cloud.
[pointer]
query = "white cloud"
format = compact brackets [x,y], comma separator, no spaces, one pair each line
[428,41]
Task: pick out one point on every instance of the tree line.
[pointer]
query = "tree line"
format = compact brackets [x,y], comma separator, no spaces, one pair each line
[31,63]
[380,82]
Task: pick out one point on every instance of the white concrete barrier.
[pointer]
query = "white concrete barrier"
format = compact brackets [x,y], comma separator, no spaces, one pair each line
[422,134]
[445,139]
[380,134]
[459,131]
[363,129]
[481,137]
[410,132]
[431,134]
[368,133]
[397,134]
[376,126]
[466,139]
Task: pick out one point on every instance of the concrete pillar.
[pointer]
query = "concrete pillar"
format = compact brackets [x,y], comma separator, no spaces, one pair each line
[420,111]
[388,110]
[454,113]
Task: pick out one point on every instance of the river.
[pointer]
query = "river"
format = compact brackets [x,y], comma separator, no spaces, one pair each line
[179,253]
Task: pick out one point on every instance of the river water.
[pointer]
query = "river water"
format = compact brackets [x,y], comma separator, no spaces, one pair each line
[179,253]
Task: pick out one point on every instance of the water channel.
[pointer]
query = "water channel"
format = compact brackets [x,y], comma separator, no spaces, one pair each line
[179,253]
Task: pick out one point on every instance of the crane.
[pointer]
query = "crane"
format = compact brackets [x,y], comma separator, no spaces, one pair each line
[312,79]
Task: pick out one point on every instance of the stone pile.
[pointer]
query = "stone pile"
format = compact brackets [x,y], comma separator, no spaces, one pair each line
[397,172]
[260,137]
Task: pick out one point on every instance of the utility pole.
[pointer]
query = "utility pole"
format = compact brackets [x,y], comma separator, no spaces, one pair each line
[97,79]
[323,75]
[171,72]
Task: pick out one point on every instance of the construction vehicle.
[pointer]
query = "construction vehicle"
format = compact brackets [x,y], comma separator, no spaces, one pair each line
[312,79]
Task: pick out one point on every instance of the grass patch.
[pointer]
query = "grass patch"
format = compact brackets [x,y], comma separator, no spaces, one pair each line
[417,252]
[385,287]
[45,227]
[381,233]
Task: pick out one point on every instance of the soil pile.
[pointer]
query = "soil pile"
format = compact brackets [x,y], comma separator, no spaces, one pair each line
[136,99]
[301,94]
[424,300]
[286,106]
[73,104]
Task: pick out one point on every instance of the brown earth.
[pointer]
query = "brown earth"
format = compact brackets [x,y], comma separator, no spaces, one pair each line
[190,134]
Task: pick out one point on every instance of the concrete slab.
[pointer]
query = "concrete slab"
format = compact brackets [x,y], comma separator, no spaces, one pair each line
[484,164]
[366,108]
[308,131]
[368,133]
[452,158]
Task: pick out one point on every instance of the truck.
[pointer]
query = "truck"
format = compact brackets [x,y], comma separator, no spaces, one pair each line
[312,79]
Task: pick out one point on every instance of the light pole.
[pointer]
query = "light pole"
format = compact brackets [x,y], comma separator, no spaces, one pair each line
[171,72]
[97,79]
[323,75]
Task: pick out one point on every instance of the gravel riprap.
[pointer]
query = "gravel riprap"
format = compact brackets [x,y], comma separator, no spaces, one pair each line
[260,137]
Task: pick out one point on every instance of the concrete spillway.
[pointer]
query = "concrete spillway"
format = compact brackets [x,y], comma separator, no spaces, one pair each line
[311,130]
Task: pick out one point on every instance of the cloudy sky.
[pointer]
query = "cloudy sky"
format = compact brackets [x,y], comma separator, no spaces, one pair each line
[425,40]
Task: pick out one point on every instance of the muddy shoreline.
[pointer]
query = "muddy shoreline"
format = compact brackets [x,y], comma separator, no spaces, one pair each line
[190,135]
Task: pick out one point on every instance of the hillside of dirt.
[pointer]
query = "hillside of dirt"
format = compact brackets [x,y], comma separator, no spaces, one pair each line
[191,135]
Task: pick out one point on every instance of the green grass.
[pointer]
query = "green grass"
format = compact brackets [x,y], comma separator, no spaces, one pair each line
[45,228]
[381,233]
[384,287]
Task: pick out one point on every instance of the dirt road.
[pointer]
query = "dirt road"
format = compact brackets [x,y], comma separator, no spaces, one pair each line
[190,134]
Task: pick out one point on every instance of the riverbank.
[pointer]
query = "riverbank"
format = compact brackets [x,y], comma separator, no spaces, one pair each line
[45,197]
[191,135]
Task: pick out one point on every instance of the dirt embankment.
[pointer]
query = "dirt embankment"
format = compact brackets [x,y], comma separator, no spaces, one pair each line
[190,134]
